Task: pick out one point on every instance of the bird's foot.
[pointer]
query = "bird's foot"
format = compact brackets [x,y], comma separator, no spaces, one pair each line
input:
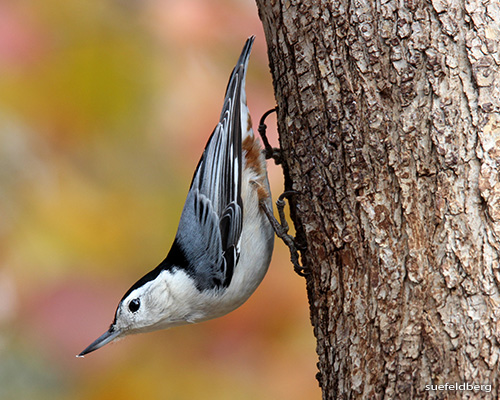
[281,229]
[270,152]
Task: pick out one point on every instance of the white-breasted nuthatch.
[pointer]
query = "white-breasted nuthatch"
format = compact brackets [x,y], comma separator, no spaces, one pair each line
[224,241]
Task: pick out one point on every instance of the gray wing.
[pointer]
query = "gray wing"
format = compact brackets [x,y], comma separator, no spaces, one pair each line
[208,239]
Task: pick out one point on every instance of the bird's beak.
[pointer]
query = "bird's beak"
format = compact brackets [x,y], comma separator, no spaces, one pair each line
[102,340]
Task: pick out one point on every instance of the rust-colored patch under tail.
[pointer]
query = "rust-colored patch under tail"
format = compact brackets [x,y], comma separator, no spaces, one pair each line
[255,161]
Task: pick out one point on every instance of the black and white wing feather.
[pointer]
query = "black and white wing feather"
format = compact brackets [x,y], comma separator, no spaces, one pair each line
[207,243]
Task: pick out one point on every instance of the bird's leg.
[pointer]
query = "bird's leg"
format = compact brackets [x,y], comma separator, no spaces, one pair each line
[270,152]
[281,229]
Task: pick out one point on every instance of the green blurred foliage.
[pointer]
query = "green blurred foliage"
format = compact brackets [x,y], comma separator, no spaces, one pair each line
[105,107]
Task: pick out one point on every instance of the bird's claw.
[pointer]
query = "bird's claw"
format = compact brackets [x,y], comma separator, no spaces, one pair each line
[270,152]
[281,229]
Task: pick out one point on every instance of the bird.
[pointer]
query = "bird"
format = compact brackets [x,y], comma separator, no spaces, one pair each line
[224,241]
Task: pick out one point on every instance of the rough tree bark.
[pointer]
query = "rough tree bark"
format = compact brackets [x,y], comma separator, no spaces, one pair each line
[389,125]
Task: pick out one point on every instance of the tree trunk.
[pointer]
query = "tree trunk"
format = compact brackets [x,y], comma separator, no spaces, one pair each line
[389,125]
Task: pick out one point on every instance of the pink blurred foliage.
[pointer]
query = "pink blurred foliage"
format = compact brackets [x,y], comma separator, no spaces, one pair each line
[197,23]
[62,319]
[22,40]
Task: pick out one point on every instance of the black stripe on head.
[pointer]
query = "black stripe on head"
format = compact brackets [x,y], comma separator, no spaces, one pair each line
[175,259]
[150,276]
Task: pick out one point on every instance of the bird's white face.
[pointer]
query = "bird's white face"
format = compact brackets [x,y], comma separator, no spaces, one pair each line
[156,304]
[149,307]
[145,309]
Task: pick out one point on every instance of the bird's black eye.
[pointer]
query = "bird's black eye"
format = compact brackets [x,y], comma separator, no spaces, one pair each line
[134,305]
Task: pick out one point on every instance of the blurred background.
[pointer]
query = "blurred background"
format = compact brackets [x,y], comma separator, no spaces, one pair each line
[105,107]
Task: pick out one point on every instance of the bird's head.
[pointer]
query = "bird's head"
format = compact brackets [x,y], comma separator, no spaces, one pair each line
[147,306]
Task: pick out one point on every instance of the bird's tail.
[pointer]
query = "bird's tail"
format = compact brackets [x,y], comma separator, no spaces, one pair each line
[236,89]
